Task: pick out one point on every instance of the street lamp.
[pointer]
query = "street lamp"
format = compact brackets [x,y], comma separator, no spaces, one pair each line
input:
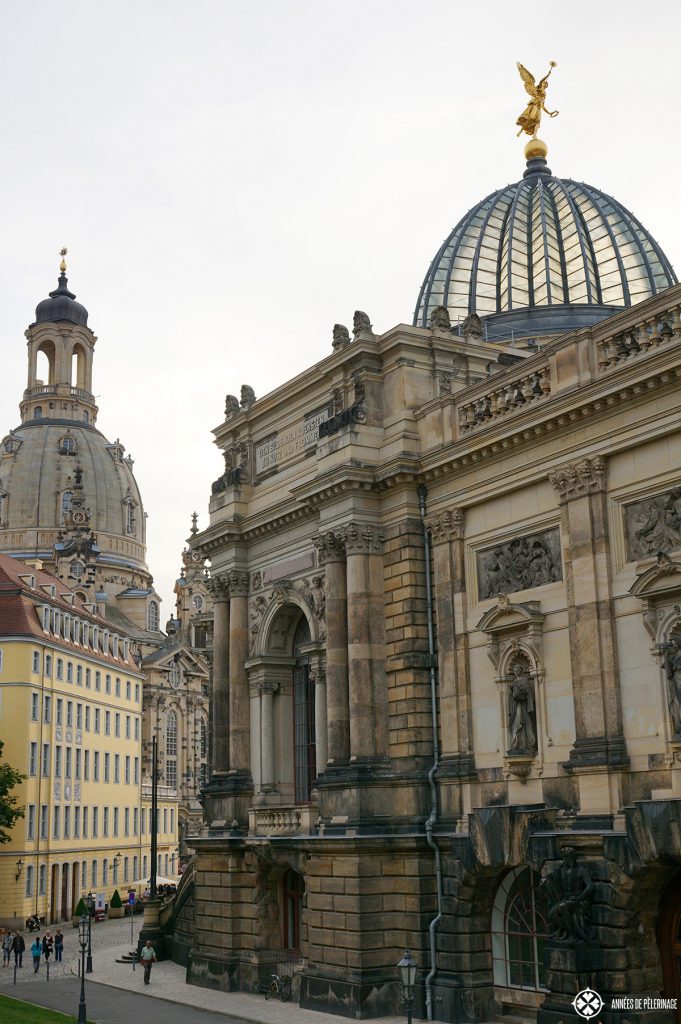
[82,939]
[90,903]
[20,865]
[408,967]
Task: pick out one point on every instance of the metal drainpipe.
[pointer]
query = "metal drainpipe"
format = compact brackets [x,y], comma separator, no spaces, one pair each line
[432,817]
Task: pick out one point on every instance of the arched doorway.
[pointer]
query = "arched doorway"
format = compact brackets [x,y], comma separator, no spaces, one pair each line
[64,909]
[669,941]
[54,894]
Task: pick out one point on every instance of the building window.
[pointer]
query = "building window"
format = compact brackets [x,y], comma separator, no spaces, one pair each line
[144,866]
[79,716]
[117,724]
[95,822]
[34,707]
[127,769]
[43,821]
[29,880]
[137,728]
[60,711]
[204,739]
[56,821]
[136,777]
[88,678]
[66,502]
[98,680]
[305,758]
[33,758]
[135,826]
[519,931]
[293,889]
[105,871]
[127,727]
[67,822]
[47,709]
[93,874]
[126,865]
[76,820]
[137,693]
[57,762]
[95,767]
[60,668]
[86,766]
[42,880]
[153,616]
[38,412]
[107,684]
[48,664]
[69,760]
[67,443]
[127,689]
[115,821]
[107,723]
[107,763]
[45,766]
[97,718]
[36,661]
[134,868]
[165,819]
[69,671]
[118,682]
[79,755]
[126,822]
[117,768]
[105,824]
[171,750]
[79,675]
[85,822]
[30,822]
[69,714]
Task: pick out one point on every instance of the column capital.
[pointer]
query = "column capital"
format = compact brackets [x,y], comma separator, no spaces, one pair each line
[577,479]
[268,686]
[237,581]
[362,538]
[218,588]
[446,525]
[330,547]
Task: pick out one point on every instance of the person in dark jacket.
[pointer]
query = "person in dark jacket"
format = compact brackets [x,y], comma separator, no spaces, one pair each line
[48,946]
[18,945]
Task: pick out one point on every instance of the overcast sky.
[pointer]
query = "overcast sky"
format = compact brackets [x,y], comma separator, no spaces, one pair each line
[233,178]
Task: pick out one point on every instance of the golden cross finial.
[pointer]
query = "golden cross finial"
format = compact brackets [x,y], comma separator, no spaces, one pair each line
[63,252]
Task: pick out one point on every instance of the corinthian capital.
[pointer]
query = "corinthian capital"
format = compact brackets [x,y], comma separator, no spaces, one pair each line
[362,538]
[330,547]
[579,478]
[218,588]
[238,583]
[446,525]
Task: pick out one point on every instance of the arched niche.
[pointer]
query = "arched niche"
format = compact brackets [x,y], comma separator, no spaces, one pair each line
[79,375]
[44,366]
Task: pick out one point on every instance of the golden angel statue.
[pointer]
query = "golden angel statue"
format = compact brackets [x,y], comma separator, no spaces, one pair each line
[531,116]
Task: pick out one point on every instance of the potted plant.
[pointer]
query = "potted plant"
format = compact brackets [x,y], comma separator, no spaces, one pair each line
[80,911]
[116,908]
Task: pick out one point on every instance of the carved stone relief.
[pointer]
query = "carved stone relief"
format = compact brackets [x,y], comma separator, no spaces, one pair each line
[653,524]
[520,564]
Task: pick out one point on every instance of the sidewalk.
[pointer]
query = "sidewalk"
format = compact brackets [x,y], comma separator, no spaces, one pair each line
[168,984]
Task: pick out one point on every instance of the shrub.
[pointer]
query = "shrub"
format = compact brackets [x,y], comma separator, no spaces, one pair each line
[116,901]
[81,910]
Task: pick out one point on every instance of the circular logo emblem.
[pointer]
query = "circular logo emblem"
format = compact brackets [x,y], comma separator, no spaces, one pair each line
[587,1003]
[79,517]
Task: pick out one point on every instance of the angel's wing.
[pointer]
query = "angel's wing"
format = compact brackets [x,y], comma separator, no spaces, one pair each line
[528,79]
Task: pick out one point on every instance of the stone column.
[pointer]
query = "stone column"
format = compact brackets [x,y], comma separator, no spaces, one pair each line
[219,707]
[239,697]
[449,586]
[593,651]
[331,555]
[267,691]
[368,689]
[320,723]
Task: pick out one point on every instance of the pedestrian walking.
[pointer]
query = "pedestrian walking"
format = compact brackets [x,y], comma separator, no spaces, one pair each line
[18,945]
[148,957]
[6,947]
[58,946]
[36,950]
[48,946]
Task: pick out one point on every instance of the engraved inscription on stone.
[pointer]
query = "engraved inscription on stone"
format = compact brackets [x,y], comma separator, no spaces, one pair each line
[653,525]
[520,564]
[289,443]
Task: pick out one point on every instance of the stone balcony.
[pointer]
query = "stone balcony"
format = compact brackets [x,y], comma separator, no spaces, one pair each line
[282,821]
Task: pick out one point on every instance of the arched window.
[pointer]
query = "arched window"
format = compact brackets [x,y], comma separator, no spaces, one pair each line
[66,501]
[152,616]
[86,416]
[171,750]
[67,443]
[305,760]
[293,888]
[519,931]
[38,412]
[129,516]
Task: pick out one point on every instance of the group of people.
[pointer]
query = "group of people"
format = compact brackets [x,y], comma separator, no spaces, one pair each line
[45,947]
[13,943]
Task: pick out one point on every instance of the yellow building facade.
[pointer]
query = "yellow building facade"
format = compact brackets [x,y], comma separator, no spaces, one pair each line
[71,720]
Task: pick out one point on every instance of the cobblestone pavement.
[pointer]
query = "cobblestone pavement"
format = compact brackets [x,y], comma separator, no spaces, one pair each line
[105,935]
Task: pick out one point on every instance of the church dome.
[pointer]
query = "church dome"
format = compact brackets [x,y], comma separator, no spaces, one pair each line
[541,256]
[61,305]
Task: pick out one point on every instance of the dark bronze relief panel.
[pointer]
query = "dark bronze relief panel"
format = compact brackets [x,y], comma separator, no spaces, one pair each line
[653,525]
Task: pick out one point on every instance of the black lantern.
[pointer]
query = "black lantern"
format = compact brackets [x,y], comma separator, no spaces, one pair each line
[90,903]
[82,939]
[408,968]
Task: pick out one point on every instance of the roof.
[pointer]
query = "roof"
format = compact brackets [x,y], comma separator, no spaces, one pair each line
[549,253]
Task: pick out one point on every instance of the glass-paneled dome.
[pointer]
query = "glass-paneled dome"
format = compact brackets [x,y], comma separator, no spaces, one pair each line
[541,256]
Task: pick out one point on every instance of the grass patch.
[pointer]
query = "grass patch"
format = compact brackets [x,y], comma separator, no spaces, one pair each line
[13,1011]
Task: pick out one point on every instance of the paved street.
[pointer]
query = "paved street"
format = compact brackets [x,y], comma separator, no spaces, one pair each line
[115,993]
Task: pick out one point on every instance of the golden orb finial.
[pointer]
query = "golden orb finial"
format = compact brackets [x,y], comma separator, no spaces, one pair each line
[63,252]
[536,149]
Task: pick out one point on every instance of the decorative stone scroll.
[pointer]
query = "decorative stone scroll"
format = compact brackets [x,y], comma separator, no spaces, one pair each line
[579,478]
[446,525]
[653,525]
[520,564]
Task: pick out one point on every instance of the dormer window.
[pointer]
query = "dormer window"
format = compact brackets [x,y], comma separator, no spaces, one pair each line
[86,631]
[105,641]
[46,618]
[67,625]
[11,444]
[29,579]
[67,445]
[125,650]
[55,622]
[76,631]
[114,646]
[95,637]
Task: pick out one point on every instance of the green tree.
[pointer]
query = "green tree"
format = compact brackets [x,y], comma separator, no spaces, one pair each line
[9,808]
[116,901]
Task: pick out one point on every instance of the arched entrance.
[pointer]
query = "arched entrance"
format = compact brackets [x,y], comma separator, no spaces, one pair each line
[669,941]
[519,932]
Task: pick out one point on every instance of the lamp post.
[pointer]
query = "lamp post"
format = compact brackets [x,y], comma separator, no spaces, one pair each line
[82,939]
[90,903]
[408,967]
[20,865]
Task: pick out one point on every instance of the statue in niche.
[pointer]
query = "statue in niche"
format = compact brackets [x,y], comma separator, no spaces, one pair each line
[672,668]
[317,598]
[522,719]
[569,891]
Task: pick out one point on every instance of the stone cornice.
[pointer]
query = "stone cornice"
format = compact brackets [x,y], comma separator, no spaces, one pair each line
[446,525]
[577,479]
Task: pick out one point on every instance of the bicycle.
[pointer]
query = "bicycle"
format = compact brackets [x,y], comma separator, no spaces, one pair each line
[280,987]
